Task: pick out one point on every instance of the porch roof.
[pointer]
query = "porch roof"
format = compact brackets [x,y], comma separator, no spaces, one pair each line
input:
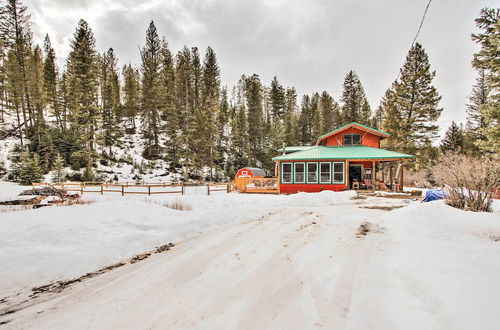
[342,152]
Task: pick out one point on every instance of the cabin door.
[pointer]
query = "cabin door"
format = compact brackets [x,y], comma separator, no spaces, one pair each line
[355,173]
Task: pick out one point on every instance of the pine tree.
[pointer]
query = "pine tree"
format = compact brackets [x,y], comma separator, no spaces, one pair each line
[305,121]
[110,100]
[150,67]
[50,78]
[277,98]
[15,162]
[180,138]
[486,59]
[253,95]
[58,175]
[36,93]
[290,121]
[131,94]
[210,94]
[30,170]
[316,116]
[240,138]
[82,76]
[454,139]
[88,173]
[476,122]
[410,107]
[330,113]
[355,106]
[16,37]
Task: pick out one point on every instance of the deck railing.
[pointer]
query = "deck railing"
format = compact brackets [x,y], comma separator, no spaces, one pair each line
[257,185]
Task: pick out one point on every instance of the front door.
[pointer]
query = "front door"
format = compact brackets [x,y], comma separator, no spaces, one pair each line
[354,174]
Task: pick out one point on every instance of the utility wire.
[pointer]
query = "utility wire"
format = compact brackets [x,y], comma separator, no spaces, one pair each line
[418,31]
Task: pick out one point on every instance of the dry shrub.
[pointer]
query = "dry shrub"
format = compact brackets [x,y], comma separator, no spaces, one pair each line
[175,204]
[75,201]
[416,179]
[469,183]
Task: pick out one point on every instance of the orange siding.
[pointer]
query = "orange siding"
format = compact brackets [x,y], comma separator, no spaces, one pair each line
[367,139]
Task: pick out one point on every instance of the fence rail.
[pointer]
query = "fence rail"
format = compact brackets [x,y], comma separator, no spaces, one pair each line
[137,189]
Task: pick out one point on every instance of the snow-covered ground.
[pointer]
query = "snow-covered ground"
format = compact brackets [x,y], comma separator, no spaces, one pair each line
[256,262]
[54,243]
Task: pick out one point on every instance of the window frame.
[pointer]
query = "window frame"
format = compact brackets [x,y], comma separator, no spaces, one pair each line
[307,173]
[329,173]
[283,172]
[295,172]
[351,144]
[333,173]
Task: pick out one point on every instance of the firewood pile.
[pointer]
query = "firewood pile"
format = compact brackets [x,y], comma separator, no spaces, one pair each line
[45,191]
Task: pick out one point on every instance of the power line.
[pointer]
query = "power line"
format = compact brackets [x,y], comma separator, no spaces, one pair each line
[419,28]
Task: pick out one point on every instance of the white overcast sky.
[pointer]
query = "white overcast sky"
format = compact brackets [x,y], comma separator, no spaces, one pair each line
[309,44]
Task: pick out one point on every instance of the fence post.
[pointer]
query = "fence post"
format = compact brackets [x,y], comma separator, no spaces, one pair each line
[81,189]
[149,190]
[102,188]
[123,190]
[227,188]
[182,185]
[208,189]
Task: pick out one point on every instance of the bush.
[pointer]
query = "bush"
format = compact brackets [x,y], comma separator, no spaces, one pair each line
[417,179]
[469,183]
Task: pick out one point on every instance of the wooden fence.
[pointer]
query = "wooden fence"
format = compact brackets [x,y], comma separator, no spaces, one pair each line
[137,189]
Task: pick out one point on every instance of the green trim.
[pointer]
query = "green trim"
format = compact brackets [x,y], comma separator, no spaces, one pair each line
[342,153]
[353,123]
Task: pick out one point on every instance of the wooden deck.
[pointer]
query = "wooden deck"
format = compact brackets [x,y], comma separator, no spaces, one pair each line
[257,185]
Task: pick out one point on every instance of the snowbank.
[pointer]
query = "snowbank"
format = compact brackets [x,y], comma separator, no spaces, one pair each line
[10,190]
[439,268]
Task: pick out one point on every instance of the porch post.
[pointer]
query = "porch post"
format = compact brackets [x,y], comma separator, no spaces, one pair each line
[401,176]
[374,177]
[347,174]
[391,176]
[278,181]
[383,172]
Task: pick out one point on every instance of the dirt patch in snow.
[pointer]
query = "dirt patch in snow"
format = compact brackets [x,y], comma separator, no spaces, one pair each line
[382,207]
[367,227]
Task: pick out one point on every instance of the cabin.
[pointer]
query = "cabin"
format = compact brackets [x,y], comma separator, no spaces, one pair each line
[345,158]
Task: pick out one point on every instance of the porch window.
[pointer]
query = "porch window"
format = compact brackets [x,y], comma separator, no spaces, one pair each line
[286,173]
[338,172]
[299,172]
[352,139]
[325,173]
[312,172]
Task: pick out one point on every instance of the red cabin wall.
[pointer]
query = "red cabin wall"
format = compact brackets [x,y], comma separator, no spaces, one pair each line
[295,188]
[367,139]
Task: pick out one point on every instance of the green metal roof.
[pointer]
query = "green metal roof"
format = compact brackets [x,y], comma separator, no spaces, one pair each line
[353,123]
[341,152]
[295,148]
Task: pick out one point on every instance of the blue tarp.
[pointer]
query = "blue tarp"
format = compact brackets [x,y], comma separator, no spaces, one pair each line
[433,194]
